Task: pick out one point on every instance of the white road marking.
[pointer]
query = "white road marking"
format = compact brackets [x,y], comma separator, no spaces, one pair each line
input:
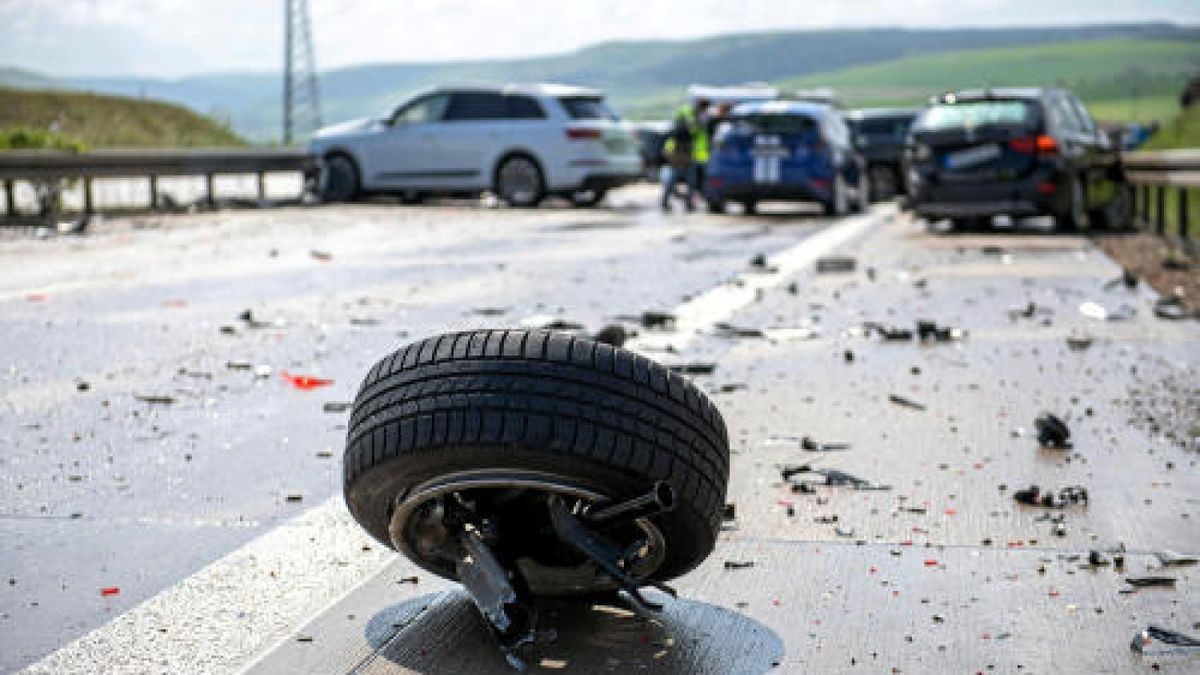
[703,312]
[226,616]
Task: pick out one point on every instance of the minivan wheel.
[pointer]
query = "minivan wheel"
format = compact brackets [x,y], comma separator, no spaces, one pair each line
[339,179]
[519,182]
[1074,219]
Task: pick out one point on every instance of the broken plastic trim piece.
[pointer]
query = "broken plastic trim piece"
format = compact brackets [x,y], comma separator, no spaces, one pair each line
[1156,641]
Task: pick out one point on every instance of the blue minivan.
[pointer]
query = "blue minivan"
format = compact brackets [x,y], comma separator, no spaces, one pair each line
[785,151]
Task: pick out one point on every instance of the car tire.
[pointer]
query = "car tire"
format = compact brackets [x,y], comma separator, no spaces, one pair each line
[837,207]
[412,198]
[715,205]
[587,198]
[750,207]
[862,193]
[1075,218]
[519,182]
[1117,214]
[521,401]
[339,180]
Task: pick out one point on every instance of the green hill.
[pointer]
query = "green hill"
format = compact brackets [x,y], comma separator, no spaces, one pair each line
[1121,79]
[101,121]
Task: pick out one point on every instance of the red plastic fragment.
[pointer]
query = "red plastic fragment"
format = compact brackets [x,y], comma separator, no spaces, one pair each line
[930,562]
[175,303]
[110,590]
[36,297]
[305,382]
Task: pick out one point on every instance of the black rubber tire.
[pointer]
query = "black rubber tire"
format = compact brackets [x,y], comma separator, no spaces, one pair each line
[340,180]
[715,205]
[536,191]
[749,207]
[533,400]
[1075,217]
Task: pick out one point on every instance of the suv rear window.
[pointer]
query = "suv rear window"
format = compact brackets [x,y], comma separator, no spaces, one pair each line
[972,114]
[772,124]
[588,108]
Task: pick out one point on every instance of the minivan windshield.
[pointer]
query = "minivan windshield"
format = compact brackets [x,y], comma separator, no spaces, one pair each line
[973,114]
[588,108]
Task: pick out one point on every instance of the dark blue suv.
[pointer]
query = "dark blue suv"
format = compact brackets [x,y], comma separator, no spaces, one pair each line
[785,150]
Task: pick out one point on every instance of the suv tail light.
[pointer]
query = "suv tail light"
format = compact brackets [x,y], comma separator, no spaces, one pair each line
[1041,144]
[577,134]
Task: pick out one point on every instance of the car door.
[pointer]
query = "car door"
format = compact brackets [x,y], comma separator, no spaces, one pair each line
[406,154]
[474,122]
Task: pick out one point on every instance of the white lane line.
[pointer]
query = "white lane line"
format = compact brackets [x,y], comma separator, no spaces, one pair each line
[238,608]
[703,312]
[218,618]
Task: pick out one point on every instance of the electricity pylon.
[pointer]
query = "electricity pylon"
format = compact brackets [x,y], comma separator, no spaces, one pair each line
[301,99]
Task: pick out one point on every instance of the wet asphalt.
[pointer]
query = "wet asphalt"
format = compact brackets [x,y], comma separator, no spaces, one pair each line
[942,572]
[142,442]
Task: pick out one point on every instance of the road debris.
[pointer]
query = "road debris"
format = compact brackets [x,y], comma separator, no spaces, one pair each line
[1159,642]
[693,368]
[155,399]
[489,311]
[1151,582]
[1077,343]
[830,478]
[1064,496]
[727,330]
[305,382]
[738,564]
[613,334]
[1096,311]
[906,402]
[835,263]
[1170,308]
[1173,559]
[929,331]
[1127,279]
[323,256]
[109,591]
[548,322]
[336,406]
[1052,432]
[660,320]
[759,264]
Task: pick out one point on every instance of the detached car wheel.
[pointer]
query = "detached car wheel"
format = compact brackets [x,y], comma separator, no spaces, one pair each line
[503,422]
[339,179]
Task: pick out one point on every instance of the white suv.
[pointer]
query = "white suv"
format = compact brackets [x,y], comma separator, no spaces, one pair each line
[522,142]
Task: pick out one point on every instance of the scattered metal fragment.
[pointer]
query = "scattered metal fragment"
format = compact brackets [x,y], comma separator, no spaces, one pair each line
[1096,311]
[738,564]
[929,331]
[155,399]
[548,322]
[759,264]
[662,320]
[1052,432]
[336,406]
[294,497]
[323,256]
[733,386]
[835,263]
[729,512]
[1159,641]
[408,580]
[889,333]
[907,403]
[1170,308]
[810,445]
[490,311]
[1151,582]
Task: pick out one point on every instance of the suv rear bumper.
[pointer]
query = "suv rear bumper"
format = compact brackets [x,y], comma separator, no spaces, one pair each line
[791,192]
[1040,194]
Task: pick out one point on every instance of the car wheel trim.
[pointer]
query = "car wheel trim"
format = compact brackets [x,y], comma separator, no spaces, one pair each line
[519,181]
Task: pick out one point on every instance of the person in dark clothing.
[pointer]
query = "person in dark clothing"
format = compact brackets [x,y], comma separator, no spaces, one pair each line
[677,164]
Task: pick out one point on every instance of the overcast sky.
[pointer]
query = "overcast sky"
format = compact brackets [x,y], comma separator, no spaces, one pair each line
[180,37]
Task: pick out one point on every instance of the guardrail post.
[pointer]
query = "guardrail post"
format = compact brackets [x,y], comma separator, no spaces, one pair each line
[1183,212]
[153,192]
[262,186]
[87,196]
[1161,196]
[10,202]
[209,192]
[1144,203]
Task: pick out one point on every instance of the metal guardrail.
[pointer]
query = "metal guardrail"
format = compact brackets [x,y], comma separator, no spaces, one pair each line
[1153,175]
[49,165]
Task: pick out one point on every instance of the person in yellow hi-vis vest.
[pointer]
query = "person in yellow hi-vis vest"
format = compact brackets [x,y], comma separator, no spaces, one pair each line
[685,152]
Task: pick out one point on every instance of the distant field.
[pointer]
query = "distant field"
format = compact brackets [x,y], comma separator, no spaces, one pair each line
[111,121]
[1106,73]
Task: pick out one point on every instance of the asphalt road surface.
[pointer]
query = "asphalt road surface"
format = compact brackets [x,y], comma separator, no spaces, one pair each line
[170,503]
